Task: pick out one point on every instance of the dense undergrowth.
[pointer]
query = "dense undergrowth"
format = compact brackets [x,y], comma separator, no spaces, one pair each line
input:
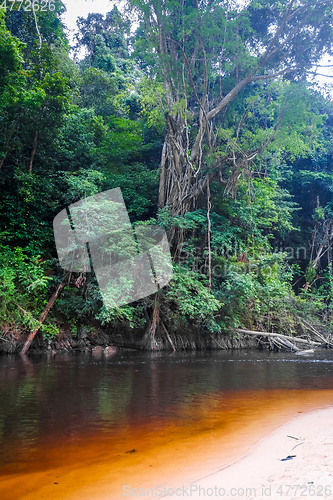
[251,250]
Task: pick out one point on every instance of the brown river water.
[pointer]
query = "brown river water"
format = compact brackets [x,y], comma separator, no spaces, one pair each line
[81,427]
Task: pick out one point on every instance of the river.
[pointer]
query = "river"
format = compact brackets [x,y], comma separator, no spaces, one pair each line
[79,426]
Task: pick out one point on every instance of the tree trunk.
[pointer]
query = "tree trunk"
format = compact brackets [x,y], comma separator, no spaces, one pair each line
[179,179]
[168,336]
[156,317]
[209,238]
[271,334]
[161,190]
[44,314]
[182,179]
[33,152]
[148,341]
[4,157]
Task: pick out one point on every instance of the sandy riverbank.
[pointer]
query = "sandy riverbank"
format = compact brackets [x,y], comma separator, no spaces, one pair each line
[196,456]
[307,442]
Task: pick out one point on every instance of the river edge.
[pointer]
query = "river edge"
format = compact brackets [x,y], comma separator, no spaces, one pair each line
[295,460]
[98,340]
[260,449]
[176,464]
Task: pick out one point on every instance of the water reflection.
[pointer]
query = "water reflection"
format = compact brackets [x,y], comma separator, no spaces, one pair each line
[48,402]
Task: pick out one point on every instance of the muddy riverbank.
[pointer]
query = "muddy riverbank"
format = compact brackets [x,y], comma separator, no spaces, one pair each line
[93,340]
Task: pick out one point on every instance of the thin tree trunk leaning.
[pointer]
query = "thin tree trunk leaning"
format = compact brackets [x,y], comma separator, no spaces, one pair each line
[278,335]
[2,161]
[313,330]
[33,152]
[221,346]
[326,237]
[168,336]
[44,314]
[4,157]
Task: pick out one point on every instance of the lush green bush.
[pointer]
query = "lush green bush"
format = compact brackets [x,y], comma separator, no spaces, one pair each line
[23,290]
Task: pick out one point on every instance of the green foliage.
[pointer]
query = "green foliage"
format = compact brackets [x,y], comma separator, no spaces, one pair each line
[255,292]
[82,184]
[23,285]
[188,300]
[72,129]
[150,101]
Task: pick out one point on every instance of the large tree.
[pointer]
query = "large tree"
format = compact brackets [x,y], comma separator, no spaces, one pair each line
[200,58]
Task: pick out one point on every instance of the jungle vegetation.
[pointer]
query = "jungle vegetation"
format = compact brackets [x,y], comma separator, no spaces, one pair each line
[206,114]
